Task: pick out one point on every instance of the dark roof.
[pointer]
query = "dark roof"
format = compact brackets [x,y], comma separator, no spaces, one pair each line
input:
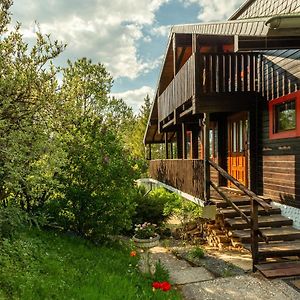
[266,8]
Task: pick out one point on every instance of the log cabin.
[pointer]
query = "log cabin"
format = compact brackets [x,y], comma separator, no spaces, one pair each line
[227,113]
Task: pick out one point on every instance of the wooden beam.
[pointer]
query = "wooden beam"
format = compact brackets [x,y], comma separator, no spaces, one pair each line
[179,143]
[186,112]
[166,145]
[171,122]
[195,148]
[150,154]
[184,152]
[206,121]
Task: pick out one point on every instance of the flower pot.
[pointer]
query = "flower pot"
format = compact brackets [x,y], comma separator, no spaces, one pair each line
[146,243]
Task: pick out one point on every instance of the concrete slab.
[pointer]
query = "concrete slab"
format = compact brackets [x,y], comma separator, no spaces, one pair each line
[169,260]
[246,287]
[190,275]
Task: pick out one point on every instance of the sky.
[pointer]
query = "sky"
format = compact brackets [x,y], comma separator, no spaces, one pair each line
[128,36]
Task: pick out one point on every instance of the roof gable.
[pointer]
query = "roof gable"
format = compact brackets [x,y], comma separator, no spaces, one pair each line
[266,8]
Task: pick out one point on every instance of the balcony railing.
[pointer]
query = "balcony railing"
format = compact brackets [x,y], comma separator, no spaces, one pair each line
[180,89]
[211,73]
[185,175]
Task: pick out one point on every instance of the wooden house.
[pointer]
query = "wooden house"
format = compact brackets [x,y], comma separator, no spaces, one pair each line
[227,108]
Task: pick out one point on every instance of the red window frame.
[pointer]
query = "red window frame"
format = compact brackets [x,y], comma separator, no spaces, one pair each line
[289,133]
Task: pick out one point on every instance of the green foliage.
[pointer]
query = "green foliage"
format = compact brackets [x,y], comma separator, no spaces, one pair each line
[183,209]
[12,221]
[197,252]
[161,273]
[151,207]
[62,145]
[45,265]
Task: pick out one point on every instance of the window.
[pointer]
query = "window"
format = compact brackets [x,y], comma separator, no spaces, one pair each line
[284,114]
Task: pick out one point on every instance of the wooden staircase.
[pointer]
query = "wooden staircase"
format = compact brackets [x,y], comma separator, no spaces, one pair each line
[251,219]
[283,238]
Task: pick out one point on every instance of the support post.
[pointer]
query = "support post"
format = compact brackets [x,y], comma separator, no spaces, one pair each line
[184,154]
[206,121]
[179,143]
[195,146]
[171,148]
[166,145]
[254,234]
[150,154]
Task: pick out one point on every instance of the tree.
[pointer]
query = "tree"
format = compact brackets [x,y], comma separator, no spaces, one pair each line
[137,134]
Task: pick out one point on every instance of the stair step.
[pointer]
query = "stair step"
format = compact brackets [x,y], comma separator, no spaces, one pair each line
[279,269]
[286,233]
[237,200]
[263,221]
[278,249]
[246,209]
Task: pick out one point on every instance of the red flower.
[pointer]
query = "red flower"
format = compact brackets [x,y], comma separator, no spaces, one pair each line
[165,286]
[133,253]
[156,285]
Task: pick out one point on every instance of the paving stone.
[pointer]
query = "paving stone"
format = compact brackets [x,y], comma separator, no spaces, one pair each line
[246,287]
[170,261]
[190,275]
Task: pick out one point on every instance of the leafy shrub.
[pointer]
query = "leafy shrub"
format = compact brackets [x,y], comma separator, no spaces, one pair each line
[151,207]
[12,221]
[183,209]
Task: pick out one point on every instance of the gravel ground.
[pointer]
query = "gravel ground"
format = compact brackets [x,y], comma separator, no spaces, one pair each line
[218,267]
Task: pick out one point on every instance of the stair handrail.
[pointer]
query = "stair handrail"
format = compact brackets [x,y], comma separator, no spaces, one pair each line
[240,186]
[255,201]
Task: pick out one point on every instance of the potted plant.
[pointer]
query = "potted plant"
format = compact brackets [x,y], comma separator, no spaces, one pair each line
[145,235]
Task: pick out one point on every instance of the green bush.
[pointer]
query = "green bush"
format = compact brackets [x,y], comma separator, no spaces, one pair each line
[183,209]
[12,221]
[151,207]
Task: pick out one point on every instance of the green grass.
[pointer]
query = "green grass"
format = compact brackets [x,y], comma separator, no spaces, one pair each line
[47,265]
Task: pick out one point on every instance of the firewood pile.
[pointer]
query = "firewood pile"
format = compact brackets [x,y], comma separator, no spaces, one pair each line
[214,233]
[218,235]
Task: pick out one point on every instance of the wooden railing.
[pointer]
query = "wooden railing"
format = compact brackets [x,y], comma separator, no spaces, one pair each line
[180,89]
[255,202]
[211,73]
[229,72]
[184,174]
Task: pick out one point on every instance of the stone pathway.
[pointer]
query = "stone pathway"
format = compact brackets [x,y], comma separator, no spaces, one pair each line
[197,283]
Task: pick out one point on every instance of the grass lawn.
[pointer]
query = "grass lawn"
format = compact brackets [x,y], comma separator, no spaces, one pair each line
[47,265]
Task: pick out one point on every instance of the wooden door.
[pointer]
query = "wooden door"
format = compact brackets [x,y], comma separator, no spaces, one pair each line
[237,160]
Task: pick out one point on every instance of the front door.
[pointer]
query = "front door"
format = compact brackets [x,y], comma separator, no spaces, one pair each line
[237,160]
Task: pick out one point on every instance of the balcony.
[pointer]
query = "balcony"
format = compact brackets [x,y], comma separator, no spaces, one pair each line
[185,175]
[210,74]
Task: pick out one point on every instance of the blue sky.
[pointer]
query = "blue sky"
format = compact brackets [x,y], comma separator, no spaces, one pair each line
[128,36]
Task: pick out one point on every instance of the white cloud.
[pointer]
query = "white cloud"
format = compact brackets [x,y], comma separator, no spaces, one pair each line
[135,98]
[106,31]
[215,10]
[161,30]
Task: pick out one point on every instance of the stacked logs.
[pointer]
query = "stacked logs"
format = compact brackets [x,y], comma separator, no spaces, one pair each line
[218,235]
[215,233]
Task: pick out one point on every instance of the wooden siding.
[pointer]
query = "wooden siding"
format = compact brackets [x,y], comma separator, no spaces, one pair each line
[281,73]
[278,164]
[184,174]
[268,8]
